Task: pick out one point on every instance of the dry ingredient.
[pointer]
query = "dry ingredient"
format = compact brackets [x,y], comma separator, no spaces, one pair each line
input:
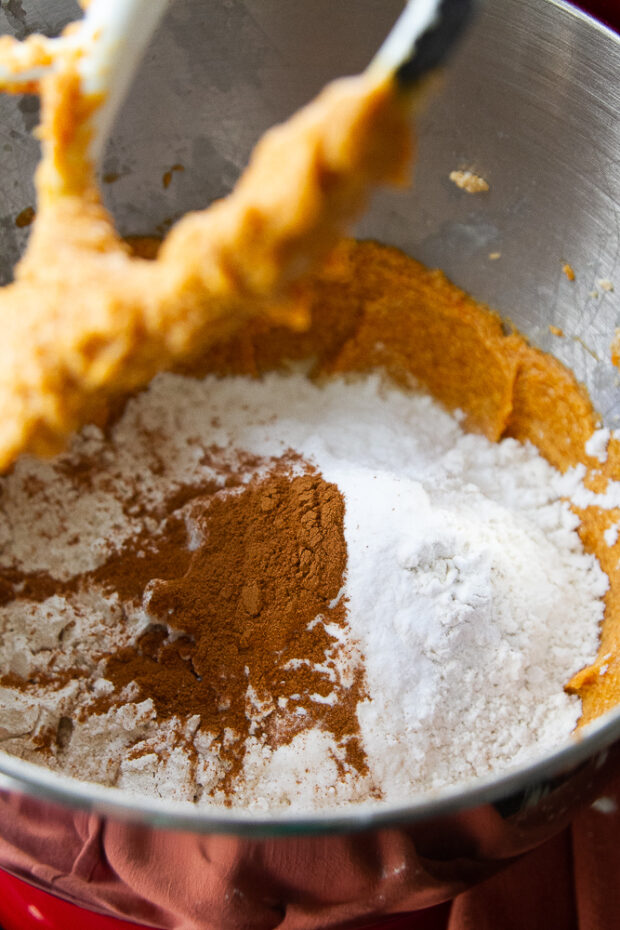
[274,594]
[255,591]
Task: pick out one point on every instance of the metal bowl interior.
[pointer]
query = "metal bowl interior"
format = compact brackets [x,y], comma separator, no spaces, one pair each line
[530,102]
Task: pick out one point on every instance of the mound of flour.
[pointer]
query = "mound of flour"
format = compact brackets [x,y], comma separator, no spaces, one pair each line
[467,585]
[469,594]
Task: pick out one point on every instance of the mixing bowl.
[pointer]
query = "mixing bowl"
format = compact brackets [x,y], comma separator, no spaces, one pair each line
[530,102]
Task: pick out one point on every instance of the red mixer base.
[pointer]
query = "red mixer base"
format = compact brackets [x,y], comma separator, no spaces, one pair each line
[23,907]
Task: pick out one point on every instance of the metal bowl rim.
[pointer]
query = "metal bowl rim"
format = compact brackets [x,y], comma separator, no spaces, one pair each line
[42,783]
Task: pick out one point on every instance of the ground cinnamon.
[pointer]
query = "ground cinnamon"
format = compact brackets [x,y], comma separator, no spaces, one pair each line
[253,602]
[243,586]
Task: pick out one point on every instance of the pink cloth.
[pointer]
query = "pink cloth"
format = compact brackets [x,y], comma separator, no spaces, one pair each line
[185,882]
[181,882]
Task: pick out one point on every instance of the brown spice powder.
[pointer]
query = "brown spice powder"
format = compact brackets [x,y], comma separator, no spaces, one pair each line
[253,600]
[249,604]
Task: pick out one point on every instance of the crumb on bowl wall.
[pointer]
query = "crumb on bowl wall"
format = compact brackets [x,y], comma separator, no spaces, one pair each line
[569,271]
[25,218]
[615,349]
[468,181]
[167,175]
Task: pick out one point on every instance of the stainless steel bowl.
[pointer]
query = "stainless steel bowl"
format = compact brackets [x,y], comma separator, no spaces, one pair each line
[531,103]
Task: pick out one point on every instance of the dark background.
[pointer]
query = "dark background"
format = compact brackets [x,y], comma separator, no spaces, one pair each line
[607,10]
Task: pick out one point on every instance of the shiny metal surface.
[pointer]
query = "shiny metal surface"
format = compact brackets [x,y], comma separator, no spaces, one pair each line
[531,103]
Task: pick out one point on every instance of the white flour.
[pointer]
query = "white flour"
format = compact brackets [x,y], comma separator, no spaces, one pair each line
[468,590]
